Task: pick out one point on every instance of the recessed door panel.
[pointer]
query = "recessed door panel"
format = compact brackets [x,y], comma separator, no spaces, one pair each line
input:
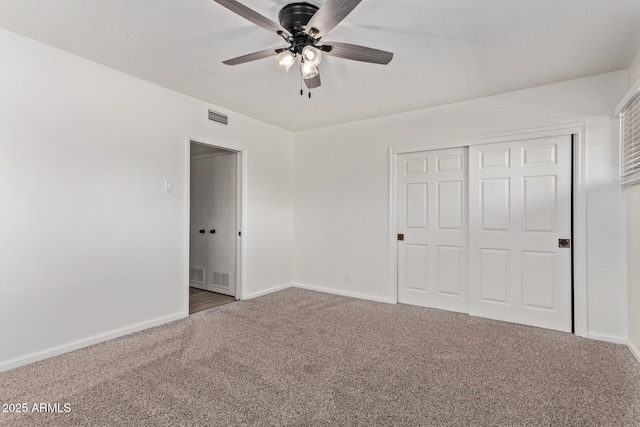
[416,205]
[490,158]
[450,205]
[495,204]
[533,155]
[415,166]
[450,270]
[537,280]
[494,275]
[449,163]
[417,267]
[540,203]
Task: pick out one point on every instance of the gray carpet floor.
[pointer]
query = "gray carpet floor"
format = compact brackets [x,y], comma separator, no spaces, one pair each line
[298,357]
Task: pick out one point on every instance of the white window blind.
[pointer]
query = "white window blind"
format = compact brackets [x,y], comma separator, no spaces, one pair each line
[630,143]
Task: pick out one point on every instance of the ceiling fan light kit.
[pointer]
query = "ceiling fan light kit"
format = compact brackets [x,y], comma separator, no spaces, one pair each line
[285,60]
[308,70]
[311,55]
[302,25]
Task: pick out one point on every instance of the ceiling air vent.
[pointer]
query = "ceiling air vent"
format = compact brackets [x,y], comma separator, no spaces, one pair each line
[214,116]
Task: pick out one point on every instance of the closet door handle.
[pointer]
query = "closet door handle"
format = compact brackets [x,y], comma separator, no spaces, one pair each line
[212,231]
[202,231]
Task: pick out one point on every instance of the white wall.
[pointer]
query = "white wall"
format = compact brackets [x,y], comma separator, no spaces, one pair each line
[90,244]
[633,242]
[341,188]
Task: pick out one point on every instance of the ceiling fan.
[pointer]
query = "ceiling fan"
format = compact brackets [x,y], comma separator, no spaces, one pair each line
[302,26]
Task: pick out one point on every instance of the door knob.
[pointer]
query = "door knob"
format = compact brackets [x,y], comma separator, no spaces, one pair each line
[202,231]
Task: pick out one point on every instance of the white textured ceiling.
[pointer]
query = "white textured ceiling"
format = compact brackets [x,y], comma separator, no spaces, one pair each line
[445,50]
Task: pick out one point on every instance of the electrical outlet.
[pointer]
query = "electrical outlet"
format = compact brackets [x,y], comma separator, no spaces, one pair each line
[363,281]
[347,279]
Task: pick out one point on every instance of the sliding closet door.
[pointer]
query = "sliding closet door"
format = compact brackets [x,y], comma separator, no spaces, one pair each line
[432,227]
[519,218]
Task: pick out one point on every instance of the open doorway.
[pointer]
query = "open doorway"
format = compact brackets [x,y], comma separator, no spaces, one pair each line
[214,226]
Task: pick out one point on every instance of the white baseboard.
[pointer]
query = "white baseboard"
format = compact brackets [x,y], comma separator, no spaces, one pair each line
[343,293]
[607,338]
[634,350]
[75,345]
[268,291]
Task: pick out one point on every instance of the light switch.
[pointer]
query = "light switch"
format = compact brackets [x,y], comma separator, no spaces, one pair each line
[168,186]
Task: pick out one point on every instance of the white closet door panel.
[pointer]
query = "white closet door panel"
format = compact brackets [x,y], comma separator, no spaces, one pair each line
[432,215]
[519,207]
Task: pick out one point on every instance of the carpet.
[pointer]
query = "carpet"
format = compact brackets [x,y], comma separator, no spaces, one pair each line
[303,358]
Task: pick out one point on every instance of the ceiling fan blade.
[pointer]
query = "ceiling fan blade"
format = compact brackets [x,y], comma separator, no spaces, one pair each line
[252,56]
[330,14]
[359,53]
[251,15]
[313,82]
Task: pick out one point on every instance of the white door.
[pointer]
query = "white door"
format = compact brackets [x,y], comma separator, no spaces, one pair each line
[519,209]
[199,212]
[432,218]
[213,224]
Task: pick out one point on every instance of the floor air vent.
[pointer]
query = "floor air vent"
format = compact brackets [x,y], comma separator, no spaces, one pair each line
[214,116]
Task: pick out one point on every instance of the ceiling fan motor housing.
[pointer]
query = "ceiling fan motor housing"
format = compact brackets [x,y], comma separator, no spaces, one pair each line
[295,16]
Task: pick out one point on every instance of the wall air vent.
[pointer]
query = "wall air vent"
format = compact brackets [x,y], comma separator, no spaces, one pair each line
[196,275]
[220,278]
[214,116]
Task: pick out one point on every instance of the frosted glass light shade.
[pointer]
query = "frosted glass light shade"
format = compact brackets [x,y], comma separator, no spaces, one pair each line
[311,55]
[308,70]
[285,60]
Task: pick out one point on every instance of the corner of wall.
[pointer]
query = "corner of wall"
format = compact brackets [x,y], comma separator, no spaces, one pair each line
[633,71]
[633,247]
[268,291]
[342,293]
[634,350]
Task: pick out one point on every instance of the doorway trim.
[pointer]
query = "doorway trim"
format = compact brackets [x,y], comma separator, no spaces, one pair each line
[578,131]
[241,212]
